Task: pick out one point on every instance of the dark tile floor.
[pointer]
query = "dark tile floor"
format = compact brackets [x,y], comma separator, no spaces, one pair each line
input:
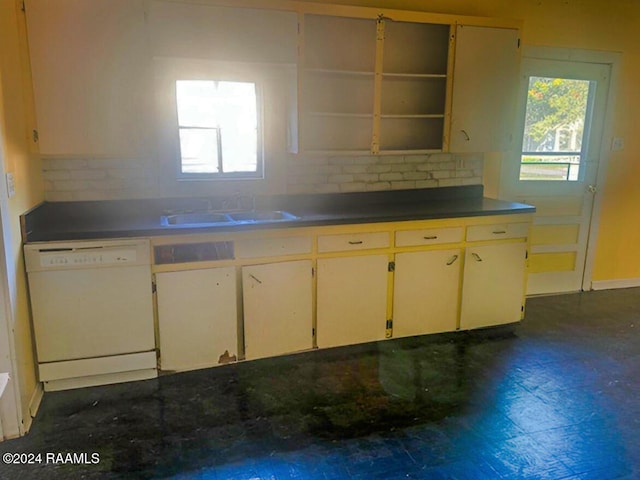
[555,398]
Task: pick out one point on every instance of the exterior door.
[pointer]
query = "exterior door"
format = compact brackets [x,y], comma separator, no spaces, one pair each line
[562,114]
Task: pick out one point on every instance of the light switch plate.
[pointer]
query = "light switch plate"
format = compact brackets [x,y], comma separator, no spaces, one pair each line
[11,185]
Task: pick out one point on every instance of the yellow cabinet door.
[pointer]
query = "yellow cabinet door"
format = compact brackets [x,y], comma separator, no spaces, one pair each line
[352,300]
[485,89]
[277,299]
[426,287]
[197,318]
[493,285]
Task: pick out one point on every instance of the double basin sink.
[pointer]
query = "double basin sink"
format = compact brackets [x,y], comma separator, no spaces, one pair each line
[209,218]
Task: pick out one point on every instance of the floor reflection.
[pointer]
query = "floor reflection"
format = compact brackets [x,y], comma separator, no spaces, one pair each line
[555,398]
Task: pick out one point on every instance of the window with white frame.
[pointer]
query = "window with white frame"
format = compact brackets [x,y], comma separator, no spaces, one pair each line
[219,128]
[558,114]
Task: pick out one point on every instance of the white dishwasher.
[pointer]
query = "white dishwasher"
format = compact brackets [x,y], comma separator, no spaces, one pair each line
[92,306]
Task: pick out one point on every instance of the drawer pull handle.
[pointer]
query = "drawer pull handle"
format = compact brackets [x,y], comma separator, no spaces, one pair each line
[431,237]
[452,260]
[499,232]
[355,242]
[476,257]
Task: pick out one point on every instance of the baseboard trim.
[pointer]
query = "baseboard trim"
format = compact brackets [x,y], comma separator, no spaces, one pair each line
[34,406]
[620,283]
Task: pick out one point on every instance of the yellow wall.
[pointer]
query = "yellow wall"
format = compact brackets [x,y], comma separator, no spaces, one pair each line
[16,120]
[594,25]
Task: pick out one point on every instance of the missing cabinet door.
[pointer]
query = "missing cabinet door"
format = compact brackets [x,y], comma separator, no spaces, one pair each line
[193,252]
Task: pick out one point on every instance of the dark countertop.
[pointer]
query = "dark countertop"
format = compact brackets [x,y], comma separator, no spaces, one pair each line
[51,221]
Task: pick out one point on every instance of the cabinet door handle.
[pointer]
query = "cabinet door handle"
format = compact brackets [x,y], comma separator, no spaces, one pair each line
[355,242]
[476,257]
[256,279]
[452,260]
[466,135]
[499,232]
[432,237]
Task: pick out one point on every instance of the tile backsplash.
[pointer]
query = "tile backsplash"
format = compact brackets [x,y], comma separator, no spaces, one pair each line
[382,172]
[69,179]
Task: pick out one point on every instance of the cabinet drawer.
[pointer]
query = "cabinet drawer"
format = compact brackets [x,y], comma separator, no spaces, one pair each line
[428,236]
[272,247]
[477,233]
[352,241]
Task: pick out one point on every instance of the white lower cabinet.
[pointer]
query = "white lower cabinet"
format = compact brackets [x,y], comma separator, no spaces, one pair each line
[442,281]
[197,318]
[352,300]
[493,285]
[277,300]
[425,293]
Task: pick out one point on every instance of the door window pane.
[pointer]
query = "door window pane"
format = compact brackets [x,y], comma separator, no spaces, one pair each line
[557,116]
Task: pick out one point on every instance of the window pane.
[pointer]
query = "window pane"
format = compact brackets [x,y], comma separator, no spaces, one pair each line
[239,126]
[555,118]
[556,114]
[550,167]
[196,103]
[199,150]
[230,107]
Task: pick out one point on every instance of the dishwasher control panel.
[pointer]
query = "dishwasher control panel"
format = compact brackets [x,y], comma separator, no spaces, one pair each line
[79,255]
[100,257]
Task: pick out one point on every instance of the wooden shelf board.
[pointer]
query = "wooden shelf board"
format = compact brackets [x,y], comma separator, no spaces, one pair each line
[413,75]
[341,115]
[409,116]
[337,152]
[327,71]
[409,152]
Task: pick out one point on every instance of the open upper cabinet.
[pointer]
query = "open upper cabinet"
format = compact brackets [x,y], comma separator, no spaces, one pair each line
[372,85]
[337,83]
[413,94]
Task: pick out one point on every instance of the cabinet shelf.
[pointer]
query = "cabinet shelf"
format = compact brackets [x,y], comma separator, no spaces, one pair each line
[330,72]
[416,115]
[340,114]
[414,75]
[335,152]
[413,151]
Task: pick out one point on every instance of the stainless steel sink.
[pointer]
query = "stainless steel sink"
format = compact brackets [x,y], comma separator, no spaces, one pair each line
[227,218]
[262,216]
[202,218]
